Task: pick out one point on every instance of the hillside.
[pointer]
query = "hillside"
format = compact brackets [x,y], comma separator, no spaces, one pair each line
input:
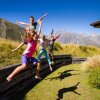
[12,31]
[9,30]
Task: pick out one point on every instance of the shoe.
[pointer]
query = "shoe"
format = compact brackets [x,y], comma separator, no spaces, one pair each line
[38,77]
[8,78]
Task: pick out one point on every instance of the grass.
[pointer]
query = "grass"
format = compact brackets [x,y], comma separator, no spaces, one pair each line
[70,85]
[68,82]
[79,51]
[8,58]
[91,63]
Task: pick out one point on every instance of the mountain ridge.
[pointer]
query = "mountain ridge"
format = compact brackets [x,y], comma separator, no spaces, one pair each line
[81,39]
[9,30]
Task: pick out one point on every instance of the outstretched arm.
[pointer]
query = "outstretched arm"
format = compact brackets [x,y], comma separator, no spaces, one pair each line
[57,36]
[41,18]
[52,31]
[19,46]
[40,27]
[51,34]
[23,23]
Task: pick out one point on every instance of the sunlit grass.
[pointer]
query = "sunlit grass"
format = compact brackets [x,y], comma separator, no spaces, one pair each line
[52,88]
[7,57]
[79,51]
[91,63]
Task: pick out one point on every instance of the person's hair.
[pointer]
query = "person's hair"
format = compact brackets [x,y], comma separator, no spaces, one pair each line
[32,17]
[43,37]
[27,34]
[33,32]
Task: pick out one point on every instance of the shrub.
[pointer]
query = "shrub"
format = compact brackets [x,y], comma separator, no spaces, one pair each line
[94,77]
[91,63]
[57,46]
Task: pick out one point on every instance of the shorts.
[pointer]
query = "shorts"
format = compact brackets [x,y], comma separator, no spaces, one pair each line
[51,47]
[26,60]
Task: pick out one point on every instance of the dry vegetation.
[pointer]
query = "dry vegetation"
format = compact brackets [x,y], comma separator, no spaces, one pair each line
[91,63]
[7,57]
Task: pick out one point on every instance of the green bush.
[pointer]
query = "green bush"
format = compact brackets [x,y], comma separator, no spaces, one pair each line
[57,46]
[94,77]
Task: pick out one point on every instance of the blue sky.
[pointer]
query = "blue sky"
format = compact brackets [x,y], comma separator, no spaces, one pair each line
[68,15]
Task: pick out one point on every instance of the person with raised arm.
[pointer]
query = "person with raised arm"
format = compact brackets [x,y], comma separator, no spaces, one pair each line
[29,29]
[51,45]
[43,51]
[32,24]
[32,39]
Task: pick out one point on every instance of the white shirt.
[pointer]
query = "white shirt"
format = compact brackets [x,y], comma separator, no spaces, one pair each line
[42,43]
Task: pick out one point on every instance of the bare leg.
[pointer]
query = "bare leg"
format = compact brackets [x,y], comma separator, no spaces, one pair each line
[50,68]
[52,57]
[37,71]
[47,58]
[16,71]
[52,54]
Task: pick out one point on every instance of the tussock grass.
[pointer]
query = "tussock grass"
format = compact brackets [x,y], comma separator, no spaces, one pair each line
[91,63]
[81,51]
[7,57]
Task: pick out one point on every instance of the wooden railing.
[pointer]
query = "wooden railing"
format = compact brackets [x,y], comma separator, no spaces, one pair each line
[78,59]
[26,77]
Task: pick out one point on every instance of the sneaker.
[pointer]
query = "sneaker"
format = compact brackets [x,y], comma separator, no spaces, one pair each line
[38,77]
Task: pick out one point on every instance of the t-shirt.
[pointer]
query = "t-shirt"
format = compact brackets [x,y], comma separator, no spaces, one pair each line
[32,26]
[30,49]
[42,43]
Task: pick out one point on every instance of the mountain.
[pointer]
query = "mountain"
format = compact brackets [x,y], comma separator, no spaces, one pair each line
[81,39]
[12,31]
[9,30]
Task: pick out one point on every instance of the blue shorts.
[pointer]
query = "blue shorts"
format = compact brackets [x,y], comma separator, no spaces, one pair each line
[26,60]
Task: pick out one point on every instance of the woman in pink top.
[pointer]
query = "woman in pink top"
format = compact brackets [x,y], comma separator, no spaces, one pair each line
[32,39]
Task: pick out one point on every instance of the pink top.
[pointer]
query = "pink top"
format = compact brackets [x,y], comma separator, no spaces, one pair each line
[30,49]
[53,39]
[56,38]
